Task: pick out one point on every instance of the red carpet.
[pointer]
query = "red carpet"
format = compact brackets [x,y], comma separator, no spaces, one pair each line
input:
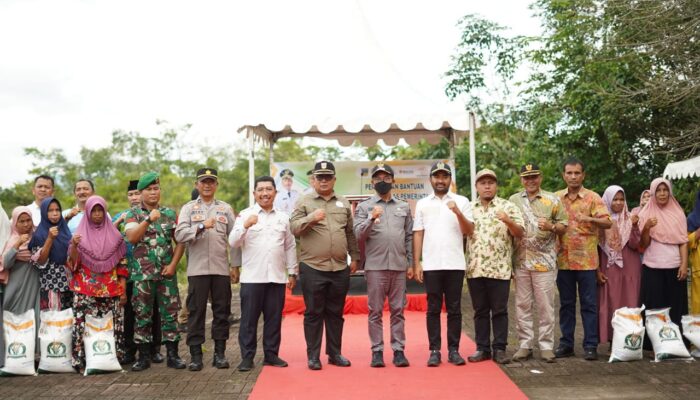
[472,381]
[354,304]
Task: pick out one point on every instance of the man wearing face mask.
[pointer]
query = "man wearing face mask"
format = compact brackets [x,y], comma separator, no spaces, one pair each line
[385,225]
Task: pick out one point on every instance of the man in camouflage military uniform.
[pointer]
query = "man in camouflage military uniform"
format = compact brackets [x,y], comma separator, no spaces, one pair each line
[204,227]
[134,197]
[150,228]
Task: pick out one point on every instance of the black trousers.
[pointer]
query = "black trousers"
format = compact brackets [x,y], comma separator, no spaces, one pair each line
[324,298]
[266,299]
[490,302]
[445,284]
[129,319]
[200,286]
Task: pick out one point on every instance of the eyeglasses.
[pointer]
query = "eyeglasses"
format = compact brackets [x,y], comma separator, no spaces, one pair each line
[387,179]
[324,177]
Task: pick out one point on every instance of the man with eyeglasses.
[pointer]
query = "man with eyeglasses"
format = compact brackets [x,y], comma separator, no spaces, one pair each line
[385,225]
[323,222]
[204,227]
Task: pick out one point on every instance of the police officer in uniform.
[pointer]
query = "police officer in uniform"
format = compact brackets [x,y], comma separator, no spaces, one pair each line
[287,197]
[150,228]
[204,226]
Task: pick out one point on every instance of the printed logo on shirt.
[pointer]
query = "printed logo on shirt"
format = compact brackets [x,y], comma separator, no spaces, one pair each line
[222,219]
[339,204]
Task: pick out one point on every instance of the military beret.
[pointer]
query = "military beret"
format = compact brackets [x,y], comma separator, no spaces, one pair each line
[133,185]
[146,179]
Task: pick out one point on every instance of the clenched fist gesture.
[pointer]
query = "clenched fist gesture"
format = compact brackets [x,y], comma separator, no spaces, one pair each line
[154,215]
[252,220]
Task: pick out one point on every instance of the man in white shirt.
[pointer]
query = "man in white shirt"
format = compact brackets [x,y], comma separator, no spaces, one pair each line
[43,188]
[442,221]
[269,261]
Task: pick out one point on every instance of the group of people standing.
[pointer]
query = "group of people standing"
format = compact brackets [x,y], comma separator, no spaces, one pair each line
[587,247]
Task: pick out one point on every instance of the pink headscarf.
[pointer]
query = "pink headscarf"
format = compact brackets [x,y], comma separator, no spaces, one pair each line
[101,246]
[23,254]
[613,240]
[672,225]
[637,209]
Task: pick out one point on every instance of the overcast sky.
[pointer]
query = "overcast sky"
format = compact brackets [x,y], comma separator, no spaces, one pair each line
[73,71]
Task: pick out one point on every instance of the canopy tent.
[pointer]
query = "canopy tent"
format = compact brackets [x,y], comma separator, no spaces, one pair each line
[683,169]
[454,127]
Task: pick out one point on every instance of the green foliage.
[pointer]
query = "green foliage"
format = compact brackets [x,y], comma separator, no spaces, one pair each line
[614,84]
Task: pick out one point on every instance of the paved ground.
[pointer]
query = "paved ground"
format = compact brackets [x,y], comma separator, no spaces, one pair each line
[568,378]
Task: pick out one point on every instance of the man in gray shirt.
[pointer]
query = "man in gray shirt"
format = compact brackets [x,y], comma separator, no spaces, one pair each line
[385,225]
[204,226]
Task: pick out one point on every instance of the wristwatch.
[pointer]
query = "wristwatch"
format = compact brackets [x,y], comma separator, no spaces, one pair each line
[292,276]
[200,227]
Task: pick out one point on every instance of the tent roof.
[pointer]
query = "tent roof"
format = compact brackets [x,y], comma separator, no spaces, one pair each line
[683,169]
[413,128]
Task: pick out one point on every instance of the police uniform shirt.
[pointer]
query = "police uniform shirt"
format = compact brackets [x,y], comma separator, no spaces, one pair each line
[209,252]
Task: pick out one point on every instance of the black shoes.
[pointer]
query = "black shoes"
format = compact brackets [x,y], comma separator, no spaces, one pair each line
[245,365]
[435,359]
[144,360]
[479,356]
[338,360]
[314,364]
[220,360]
[275,361]
[400,359]
[156,357]
[590,354]
[563,351]
[499,356]
[377,359]
[174,360]
[196,363]
[453,357]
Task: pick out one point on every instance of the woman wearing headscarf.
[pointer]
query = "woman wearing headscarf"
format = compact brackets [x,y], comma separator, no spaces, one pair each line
[5,232]
[694,256]
[665,243]
[643,200]
[49,247]
[97,258]
[22,280]
[620,270]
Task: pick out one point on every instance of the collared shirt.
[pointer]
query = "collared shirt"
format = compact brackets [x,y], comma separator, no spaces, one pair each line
[579,245]
[326,244]
[155,250]
[269,248]
[74,221]
[388,241]
[286,200]
[36,212]
[443,242]
[208,250]
[537,249]
[491,245]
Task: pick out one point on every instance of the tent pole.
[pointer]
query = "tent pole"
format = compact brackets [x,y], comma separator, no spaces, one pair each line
[472,155]
[251,165]
[452,153]
[271,153]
